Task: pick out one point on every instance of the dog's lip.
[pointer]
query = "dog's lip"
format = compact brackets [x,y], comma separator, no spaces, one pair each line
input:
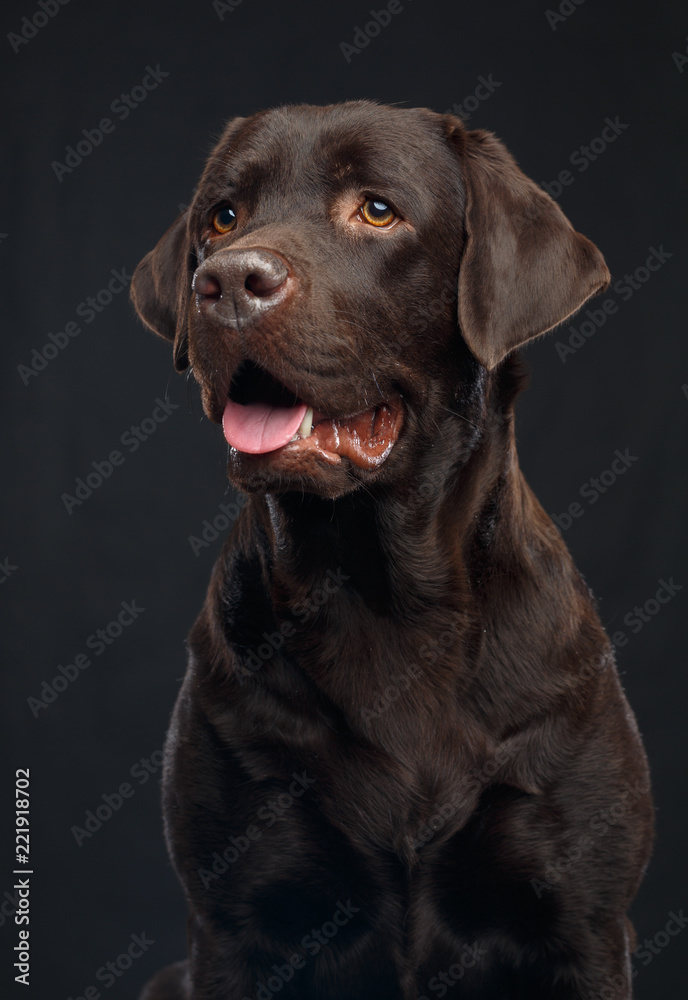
[364,436]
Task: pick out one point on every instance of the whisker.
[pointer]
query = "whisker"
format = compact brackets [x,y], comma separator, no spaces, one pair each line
[359,483]
[353,350]
[352,322]
[461,417]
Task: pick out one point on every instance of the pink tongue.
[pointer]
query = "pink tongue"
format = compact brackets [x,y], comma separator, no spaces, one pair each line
[259,427]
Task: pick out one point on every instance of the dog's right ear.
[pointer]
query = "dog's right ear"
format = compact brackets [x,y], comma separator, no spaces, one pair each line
[160,289]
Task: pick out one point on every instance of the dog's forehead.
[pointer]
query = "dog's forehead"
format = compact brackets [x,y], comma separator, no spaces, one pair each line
[310,148]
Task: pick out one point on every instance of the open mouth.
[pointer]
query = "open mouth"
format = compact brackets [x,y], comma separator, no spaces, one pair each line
[261,416]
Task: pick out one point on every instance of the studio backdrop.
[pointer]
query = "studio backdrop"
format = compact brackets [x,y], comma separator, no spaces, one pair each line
[115,496]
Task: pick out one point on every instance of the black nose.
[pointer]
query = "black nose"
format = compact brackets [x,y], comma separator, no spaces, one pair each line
[237,285]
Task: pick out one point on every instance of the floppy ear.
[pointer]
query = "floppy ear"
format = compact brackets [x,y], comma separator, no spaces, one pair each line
[524,268]
[160,289]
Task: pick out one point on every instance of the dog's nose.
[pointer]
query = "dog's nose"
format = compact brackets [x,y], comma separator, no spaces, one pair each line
[235,285]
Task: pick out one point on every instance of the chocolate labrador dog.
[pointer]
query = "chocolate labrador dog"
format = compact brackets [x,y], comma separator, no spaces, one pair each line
[401,763]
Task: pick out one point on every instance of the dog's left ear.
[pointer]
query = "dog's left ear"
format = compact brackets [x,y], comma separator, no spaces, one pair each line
[160,289]
[524,268]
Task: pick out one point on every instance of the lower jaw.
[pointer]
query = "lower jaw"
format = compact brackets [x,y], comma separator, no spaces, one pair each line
[366,440]
[293,470]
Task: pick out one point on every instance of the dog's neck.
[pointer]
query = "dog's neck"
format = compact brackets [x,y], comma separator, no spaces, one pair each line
[408,550]
[405,547]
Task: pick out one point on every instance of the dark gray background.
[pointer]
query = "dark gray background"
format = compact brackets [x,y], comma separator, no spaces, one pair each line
[129,540]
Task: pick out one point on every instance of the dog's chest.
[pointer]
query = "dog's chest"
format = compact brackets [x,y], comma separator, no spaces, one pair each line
[372,708]
[396,751]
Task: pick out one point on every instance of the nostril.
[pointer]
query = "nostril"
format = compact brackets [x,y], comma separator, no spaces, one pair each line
[239,282]
[206,285]
[264,283]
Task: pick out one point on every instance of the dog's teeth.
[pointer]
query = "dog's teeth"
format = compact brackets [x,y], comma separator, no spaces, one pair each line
[306,425]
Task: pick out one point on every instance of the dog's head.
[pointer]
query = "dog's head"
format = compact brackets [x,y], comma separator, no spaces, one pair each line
[343,279]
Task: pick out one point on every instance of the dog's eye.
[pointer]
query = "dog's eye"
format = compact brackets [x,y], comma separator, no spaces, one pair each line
[377,213]
[224,220]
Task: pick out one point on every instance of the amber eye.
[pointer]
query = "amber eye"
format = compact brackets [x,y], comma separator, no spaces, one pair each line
[224,219]
[377,213]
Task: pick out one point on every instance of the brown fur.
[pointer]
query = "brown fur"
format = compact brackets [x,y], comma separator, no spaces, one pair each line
[477,795]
